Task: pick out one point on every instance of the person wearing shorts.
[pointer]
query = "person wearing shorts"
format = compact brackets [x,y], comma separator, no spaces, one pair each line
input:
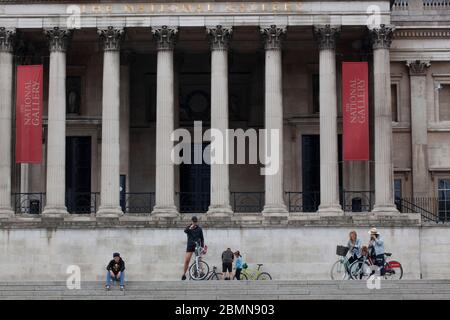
[227,263]
[194,234]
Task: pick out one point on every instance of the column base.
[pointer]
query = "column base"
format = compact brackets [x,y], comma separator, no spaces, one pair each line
[165,212]
[330,210]
[109,212]
[6,213]
[54,212]
[219,211]
[387,209]
[275,210]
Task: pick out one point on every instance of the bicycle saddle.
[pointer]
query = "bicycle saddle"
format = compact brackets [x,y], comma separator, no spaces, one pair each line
[259,264]
[388,254]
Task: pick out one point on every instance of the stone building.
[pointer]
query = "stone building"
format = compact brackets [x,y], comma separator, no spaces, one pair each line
[120,77]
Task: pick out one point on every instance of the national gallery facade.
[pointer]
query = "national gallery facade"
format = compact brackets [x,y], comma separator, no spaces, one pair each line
[120,77]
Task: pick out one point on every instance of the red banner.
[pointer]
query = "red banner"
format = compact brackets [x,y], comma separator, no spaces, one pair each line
[29,114]
[355,110]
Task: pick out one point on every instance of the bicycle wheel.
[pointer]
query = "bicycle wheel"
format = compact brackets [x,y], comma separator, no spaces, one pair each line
[216,276]
[394,270]
[264,276]
[243,277]
[338,271]
[360,270]
[199,273]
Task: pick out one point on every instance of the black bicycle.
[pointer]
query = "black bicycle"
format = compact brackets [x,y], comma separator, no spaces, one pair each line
[214,275]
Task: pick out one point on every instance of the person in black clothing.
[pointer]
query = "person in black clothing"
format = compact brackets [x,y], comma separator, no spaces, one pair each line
[116,271]
[227,263]
[194,234]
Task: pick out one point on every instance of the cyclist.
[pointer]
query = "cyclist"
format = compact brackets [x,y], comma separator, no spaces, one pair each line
[376,247]
[194,234]
[238,265]
[354,247]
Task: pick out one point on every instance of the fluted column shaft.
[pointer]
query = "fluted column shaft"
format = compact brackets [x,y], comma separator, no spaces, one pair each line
[329,174]
[165,169]
[56,136]
[6,87]
[384,199]
[110,161]
[220,191]
[274,200]
[419,127]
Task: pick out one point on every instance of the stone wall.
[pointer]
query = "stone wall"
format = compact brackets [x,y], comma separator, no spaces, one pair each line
[157,253]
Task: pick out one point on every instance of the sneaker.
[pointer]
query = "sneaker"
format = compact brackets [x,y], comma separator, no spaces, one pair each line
[107,288]
[122,288]
[183,277]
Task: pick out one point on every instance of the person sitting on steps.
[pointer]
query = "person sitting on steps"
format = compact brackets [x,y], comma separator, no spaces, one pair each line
[116,271]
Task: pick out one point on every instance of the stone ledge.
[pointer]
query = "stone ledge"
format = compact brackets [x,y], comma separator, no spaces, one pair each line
[234,221]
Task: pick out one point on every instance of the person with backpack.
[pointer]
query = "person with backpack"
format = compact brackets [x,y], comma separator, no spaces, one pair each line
[227,263]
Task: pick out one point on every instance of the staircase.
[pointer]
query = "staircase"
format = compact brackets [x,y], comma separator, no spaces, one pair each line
[225,290]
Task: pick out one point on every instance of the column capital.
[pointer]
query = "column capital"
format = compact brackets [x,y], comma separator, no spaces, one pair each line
[219,37]
[273,36]
[58,38]
[381,36]
[6,39]
[326,36]
[111,38]
[165,37]
[418,67]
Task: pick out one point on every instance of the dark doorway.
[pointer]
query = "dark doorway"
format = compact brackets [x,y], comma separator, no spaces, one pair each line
[195,181]
[311,171]
[78,175]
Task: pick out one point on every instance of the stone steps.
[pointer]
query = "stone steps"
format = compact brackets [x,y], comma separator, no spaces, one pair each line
[226,290]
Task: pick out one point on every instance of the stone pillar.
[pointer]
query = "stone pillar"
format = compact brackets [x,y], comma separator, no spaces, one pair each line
[329,175]
[165,169]
[384,184]
[220,189]
[419,127]
[56,141]
[272,37]
[111,39]
[6,94]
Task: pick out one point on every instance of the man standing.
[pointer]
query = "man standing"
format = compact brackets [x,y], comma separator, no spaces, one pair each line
[194,234]
[116,271]
[227,263]
[376,247]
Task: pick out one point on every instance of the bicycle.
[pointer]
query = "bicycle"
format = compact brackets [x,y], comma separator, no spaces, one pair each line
[340,269]
[214,275]
[364,267]
[199,269]
[254,274]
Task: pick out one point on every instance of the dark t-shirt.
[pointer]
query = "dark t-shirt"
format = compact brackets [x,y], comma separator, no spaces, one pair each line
[227,256]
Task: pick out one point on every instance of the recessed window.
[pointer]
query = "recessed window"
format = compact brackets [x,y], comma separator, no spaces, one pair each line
[398,193]
[394,101]
[316,93]
[444,199]
[444,102]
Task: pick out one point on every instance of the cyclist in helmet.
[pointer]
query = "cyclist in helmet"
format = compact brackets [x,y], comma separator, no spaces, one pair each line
[194,234]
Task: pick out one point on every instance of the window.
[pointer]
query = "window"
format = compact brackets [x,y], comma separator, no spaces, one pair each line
[444,199]
[316,93]
[394,101]
[398,193]
[444,102]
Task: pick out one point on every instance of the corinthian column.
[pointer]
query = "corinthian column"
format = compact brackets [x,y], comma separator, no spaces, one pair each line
[6,85]
[329,178]
[220,192]
[272,37]
[56,138]
[419,127]
[381,41]
[165,170]
[110,164]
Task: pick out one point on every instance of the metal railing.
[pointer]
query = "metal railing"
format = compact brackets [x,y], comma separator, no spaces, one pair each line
[357,201]
[400,4]
[431,209]
[247,201]
[436,4]
[299,201]
[193,202]
[138,202]
[82,202]
[28,203]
